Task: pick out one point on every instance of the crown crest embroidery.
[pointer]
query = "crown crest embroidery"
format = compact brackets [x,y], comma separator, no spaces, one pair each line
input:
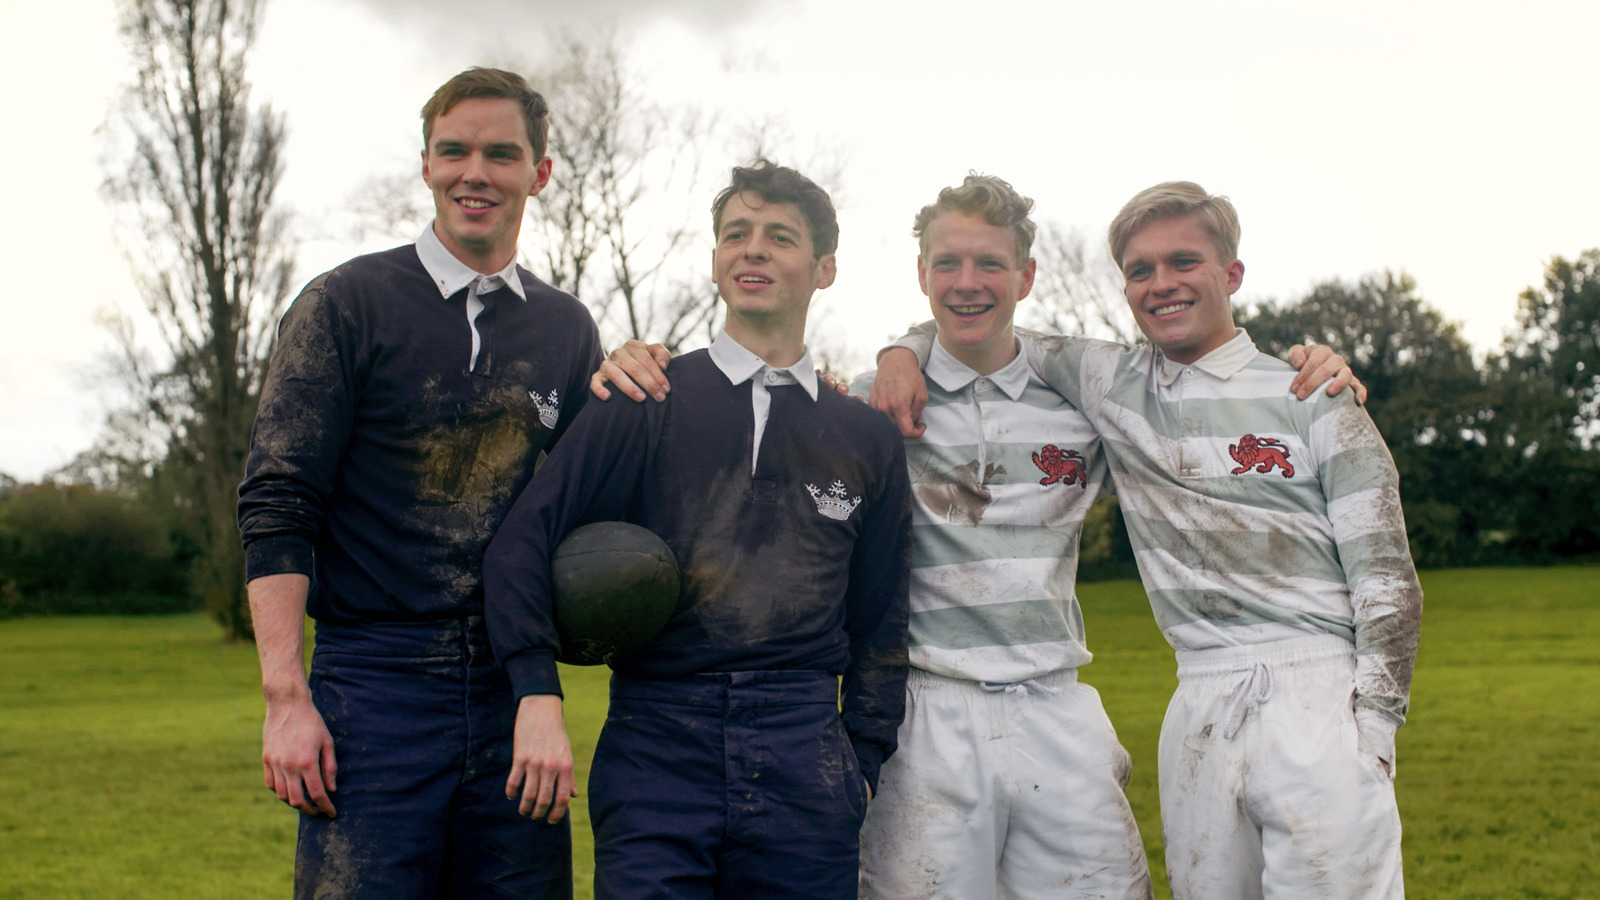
[549,410]
[834,504]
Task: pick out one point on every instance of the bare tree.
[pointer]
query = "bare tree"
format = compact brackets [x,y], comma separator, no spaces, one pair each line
[614,222]
[1076,291]
[193,174]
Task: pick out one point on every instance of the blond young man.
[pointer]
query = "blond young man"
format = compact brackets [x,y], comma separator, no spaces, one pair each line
[1009,778]
[1269,536]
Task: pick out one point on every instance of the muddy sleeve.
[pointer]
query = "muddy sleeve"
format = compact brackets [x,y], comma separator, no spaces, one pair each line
[593,475]
[877,609]
[1362,490]
[301,427]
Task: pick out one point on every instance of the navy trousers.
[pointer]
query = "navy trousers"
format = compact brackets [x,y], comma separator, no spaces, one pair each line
[736,785]
[421,718]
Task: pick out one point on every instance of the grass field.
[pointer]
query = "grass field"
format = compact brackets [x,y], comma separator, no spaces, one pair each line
[129,747]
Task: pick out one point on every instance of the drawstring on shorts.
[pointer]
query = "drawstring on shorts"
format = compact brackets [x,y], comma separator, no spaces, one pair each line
[1020,688]
[1253,689]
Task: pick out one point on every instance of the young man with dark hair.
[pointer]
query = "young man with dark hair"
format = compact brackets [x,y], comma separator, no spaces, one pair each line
[1269,536]
[409,396]
[734,761]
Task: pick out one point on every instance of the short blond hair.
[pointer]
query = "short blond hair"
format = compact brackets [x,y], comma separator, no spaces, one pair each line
[987,197]
[1177,198]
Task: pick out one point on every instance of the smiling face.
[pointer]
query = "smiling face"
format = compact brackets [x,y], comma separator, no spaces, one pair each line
[973,280]
[764,264]
[1178,287]
[481,170]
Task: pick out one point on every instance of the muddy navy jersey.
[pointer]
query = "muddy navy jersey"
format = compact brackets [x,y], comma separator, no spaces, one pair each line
[381,464]
[800,566]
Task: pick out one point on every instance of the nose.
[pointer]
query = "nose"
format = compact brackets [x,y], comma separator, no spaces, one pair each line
[755,248]
[967,278]
[473,171]
[1164,280]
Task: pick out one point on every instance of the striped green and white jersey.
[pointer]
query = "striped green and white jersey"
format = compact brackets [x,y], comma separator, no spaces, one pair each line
[1002,480]
[1255,517]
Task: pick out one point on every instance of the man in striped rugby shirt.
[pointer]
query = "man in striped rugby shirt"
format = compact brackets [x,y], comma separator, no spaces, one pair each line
[1270,539]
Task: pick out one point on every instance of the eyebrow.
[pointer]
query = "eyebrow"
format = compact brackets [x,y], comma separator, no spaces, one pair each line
[746,224]
[446,144]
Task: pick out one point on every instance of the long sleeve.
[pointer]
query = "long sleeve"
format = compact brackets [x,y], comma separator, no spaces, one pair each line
[1363,494]
[300,432]
[593,475]
[876,614]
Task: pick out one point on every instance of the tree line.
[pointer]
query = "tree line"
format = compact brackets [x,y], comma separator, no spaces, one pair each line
[1497,456]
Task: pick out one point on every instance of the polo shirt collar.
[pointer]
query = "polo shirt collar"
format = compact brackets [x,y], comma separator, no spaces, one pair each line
[451,275]
[1222,363]
[740,365]
[953,375]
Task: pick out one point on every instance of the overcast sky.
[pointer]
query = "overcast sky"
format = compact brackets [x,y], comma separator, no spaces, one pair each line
[1354,137]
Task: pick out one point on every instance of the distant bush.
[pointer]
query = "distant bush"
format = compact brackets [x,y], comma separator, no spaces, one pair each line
[76,549]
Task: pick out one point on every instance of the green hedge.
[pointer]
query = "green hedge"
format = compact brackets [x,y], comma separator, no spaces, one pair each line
[76,549]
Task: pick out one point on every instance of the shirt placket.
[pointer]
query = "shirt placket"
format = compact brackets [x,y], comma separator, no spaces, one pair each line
[1190,428]
[980,385]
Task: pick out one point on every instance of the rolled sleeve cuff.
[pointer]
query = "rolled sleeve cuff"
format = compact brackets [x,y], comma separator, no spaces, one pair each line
[534,672]
[278,556]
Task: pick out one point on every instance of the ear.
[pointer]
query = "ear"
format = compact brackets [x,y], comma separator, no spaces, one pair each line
[541,176]
[1235,276]
[922,275]
[425,165]
[1028,269]
[827,268]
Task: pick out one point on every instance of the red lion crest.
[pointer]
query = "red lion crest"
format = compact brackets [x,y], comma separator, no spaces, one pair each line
[1262,453]
[1065,466]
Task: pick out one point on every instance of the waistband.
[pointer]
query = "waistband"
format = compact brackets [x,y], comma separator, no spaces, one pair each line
[1047,683]
[436,639]
[724,690]
[1306,652]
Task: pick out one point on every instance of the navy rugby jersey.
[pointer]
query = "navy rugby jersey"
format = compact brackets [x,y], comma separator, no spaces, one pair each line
[801,565]
[381,464]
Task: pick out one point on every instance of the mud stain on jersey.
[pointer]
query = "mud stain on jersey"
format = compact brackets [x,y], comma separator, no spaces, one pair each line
[958,496]
[1215,606]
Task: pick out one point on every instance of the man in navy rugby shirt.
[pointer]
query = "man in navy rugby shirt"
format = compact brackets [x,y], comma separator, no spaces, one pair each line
[733,762]
[410,393]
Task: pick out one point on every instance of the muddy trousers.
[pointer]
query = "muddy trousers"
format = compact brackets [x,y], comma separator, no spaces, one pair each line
[1263,791]
[421,719]
[727,786]
[1003,791]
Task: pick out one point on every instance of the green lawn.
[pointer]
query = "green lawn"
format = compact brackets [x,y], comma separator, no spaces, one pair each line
[129,747]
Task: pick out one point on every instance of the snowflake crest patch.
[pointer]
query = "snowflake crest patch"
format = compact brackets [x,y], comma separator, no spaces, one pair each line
[834,503]
[549,410]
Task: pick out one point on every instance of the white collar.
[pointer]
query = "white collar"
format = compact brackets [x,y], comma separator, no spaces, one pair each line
[739,364]
[1223,362]
[450,274]
[953,375]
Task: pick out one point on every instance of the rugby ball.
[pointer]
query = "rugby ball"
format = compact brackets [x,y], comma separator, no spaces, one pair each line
[614,585]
